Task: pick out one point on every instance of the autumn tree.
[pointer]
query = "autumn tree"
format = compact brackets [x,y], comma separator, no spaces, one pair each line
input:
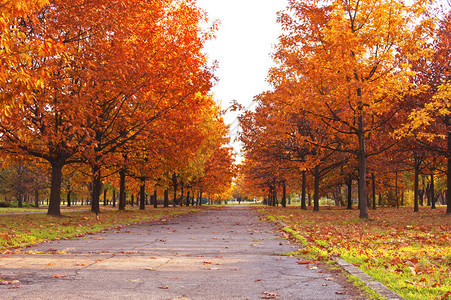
[124,66]
[349,59]
[429,121]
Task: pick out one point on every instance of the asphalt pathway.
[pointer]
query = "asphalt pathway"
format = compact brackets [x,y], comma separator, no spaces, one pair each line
[218,254]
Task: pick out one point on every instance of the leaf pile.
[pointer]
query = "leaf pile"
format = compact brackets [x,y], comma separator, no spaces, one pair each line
[408,252]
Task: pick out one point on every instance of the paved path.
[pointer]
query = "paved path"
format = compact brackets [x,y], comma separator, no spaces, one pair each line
[218,254]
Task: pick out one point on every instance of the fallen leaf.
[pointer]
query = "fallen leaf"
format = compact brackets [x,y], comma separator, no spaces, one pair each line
[270,295]
[305,262]
[164,287]
[12,287]
[8,282]
[59,276]
[329,279]
[341,293]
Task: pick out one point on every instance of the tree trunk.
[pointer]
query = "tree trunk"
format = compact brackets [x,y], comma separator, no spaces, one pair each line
[284,194]
[448,171]
[96,190]
[155,204]
[114,198]
[175,196]
[174,183]
[363,197]
[448,178]
[68,198]
[316,189]
[396,189]
[415,182]
[349,183]
[105,201]
[187,198]
[36,198]
[421,192]
[142,200]
[374,190]
[181,195]
[304,189]
[166,198]
[122,203]
[132,199]
[19,200]
[432,190]
[55,189]
[200,197]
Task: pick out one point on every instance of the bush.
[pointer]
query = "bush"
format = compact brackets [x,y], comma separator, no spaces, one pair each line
[14,204]
[5,204]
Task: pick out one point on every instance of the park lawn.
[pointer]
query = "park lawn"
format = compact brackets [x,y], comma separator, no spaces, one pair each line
[28,229]
[408,252]
[44,208]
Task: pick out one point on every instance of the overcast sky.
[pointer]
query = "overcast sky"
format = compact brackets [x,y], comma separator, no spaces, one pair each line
[242,48]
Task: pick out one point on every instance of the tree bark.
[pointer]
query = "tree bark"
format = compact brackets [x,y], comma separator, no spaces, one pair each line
[349,183]
[432,190]
[374,190]
[187,198]
[19,200]
[396,189]
[284,194]
[68,198]
[96,190]
[36,198]
[448,171]
[142,200]
[166,198]
[316,189]
[55,189]
[155,204]
[304,189]
[363,197]
[174,183]
[122,190]
[105,201]
[415,182]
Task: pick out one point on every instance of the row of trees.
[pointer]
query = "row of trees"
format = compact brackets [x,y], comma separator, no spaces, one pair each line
[111,87]
[361,92]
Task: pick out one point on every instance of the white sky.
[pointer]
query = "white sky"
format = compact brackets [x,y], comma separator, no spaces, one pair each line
[243,45]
